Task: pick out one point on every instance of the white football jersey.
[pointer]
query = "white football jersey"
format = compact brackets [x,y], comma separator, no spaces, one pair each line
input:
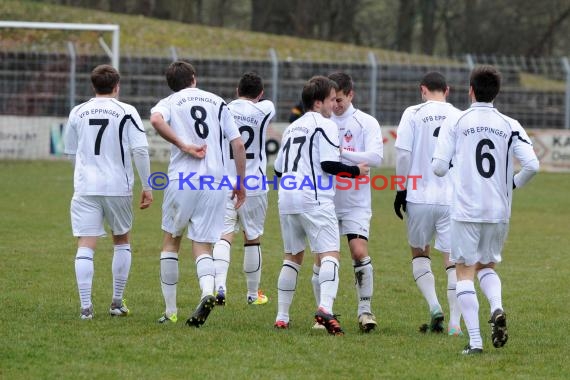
[101,133]
[358,132]
[481,142]
[197,117]
[306,143]
[252,120]
[417,133]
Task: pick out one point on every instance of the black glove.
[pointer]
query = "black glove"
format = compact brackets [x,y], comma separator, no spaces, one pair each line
[514,186]
[400,202]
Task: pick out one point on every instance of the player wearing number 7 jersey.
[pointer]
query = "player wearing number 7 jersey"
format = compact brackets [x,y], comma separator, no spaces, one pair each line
[100,136]
[308,158]
[252,115]
[482,142]
[195,122]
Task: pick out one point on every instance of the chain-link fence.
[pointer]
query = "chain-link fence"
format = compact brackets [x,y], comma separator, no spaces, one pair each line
[32,83]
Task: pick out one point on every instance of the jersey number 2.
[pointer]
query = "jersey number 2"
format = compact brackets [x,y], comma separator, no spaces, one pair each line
[247,143]
[103,123]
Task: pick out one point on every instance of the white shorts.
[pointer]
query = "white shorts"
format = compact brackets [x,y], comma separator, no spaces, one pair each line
[320,227]
[88,212]
[477,242]
[424,221]
[202,211]
[355,222]
[251,216]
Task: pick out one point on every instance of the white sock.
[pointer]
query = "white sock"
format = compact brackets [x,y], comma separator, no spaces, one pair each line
[364,282]
[490,285]
[168,280]
[315,282]
[252,268]
[84,270]
[469,306]
[421,269]
[205,271]
[121,267]
[221,256]
[328,281]
[454,312]
[286,285]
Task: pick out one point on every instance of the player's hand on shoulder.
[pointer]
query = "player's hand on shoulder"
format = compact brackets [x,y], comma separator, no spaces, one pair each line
[146,199]
[400,203]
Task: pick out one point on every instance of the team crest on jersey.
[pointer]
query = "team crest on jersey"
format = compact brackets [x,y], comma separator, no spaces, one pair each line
[348,136]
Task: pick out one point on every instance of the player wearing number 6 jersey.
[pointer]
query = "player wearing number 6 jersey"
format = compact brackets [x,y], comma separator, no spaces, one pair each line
[308,158]
[427,205]
[100,136]
[195,122]
[482,142]
[252,116]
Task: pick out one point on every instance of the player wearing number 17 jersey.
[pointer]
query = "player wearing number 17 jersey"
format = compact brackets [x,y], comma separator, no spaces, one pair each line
[482,142]
[195,122]
[252,116]
[100,136]
[307,160]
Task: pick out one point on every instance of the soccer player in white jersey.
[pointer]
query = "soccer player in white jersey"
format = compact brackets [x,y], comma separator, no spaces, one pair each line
[194,122]
[481,143]
[100,137]
[426,200]
[306,162]
[360,140]
[252,116]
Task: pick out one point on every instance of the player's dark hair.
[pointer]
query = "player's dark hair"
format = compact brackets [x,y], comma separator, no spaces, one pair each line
[317,88]
[250,85]
[104,78]
[343,80]
[180,75]
[434,81]
[486,83]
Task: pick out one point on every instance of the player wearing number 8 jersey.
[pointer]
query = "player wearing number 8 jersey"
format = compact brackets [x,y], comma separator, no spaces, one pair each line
[482,142]
[309,157]
[252,115]
[195,122]
[100,136]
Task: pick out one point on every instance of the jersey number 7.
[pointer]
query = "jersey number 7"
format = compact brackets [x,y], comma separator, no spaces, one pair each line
[103,123]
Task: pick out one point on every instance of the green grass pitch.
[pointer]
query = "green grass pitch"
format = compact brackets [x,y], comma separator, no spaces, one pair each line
[42,337]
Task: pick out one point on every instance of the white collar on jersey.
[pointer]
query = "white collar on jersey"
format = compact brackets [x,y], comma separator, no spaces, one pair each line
[482,104]
[349,112]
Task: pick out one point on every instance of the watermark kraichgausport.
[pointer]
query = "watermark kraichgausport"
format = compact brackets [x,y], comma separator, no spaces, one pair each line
[190,181]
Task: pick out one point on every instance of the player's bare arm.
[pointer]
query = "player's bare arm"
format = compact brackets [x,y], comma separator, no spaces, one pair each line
[239,159]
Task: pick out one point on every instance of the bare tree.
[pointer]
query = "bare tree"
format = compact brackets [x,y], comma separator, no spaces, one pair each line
[406,20]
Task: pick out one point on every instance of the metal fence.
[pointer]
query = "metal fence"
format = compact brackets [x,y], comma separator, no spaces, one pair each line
[536,91]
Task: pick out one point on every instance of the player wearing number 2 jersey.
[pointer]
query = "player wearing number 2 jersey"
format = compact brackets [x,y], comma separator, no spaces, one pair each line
[100,136]
[427,204]
[252,116]
[308,158]
[195,122]
[481,142]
